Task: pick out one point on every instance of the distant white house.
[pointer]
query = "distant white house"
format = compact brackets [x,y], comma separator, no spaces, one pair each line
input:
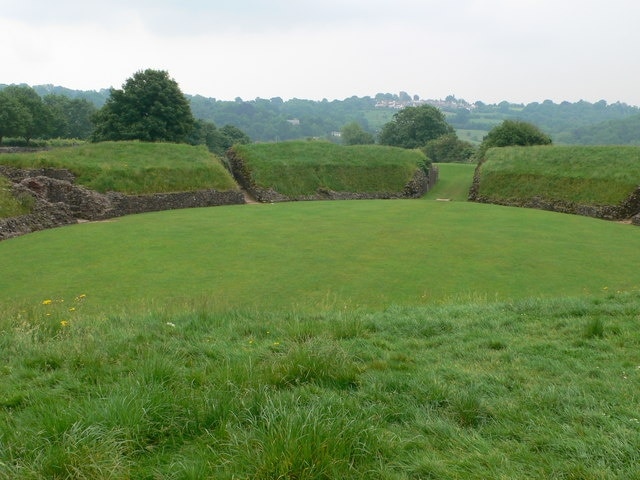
[294,121]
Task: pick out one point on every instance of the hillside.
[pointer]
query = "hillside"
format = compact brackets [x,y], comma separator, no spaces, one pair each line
[599,181]
[276,119]
[308,170]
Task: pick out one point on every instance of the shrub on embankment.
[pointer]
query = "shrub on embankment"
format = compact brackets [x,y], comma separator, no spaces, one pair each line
[315,170]
[598,181]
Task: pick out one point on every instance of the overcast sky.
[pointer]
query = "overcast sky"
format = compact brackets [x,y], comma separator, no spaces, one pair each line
[488,50]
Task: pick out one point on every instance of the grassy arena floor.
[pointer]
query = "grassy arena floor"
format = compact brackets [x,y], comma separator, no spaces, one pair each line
[322,255]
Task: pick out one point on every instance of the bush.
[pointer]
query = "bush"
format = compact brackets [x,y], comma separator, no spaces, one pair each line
[448,148]
[513,133]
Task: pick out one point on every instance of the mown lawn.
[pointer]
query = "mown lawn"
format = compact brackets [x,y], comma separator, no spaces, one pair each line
[323,255]
[454,182]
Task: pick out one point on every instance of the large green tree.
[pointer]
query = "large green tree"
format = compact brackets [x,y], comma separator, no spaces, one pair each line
[72,118]
[448,148]
[217,140]
[413,127]
[34,118]
[513,133]
[14,118]
[149,107]
[353,134]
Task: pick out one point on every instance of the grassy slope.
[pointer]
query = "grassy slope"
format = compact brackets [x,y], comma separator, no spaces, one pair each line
[301,168]
[133,167]
[588,175]
[313,255]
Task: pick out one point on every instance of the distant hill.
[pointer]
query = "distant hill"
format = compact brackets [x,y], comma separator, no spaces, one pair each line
[613,132]
[276,119]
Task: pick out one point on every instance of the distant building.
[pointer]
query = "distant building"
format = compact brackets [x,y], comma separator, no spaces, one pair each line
[294,121]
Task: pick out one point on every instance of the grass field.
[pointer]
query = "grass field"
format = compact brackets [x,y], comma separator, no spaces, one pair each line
[133,167]
[301,168]
[473,136]
[593,175]
[404,339]
[312,256]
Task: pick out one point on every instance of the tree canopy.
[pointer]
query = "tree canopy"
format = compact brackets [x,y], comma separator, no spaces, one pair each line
[149,107]
[413,127]
[448,148]
[13,117]
[27,116]
[71,118]
[513,133]
[354,134]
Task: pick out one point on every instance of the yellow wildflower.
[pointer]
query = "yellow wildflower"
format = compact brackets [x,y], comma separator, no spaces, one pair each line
[47,302]
[64,323]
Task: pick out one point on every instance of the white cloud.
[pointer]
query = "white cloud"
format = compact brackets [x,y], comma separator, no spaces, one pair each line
[488,50]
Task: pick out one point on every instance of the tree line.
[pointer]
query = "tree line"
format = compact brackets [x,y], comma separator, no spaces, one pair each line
[52,112]
[149,107]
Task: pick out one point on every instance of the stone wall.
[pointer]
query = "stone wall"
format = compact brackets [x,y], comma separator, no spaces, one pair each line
[58,201]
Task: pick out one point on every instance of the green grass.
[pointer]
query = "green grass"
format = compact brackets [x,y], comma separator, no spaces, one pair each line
[320,340]
[454,182]
[9,205]
[133,167]
[512,390]
[316,256]
[593,175]
[301,168]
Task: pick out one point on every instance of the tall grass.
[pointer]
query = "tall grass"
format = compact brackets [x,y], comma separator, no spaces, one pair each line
[133,167]
[595,175]
[504,390]
[301,168]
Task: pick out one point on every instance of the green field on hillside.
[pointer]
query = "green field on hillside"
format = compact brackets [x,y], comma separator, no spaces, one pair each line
[302,168]
[133,167]
[592,175]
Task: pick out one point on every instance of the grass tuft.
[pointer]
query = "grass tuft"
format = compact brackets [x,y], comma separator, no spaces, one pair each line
[10,206]
[240,394]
